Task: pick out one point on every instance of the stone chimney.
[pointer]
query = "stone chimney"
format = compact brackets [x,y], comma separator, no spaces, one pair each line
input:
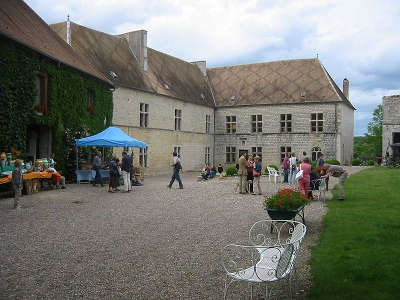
[346,88]
[202,66]
[137,41]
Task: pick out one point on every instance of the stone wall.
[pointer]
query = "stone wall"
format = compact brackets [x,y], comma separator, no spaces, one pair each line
[391,121]
[271,139]
[160,135]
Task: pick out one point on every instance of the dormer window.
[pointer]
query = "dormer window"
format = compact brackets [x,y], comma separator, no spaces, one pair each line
[233,98]
[202,96]
[113,74]
[303,94]
[166,86]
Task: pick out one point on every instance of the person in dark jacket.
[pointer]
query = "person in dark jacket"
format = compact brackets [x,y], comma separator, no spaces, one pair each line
[17,182]
[126,171]
[114,175]
[96,167]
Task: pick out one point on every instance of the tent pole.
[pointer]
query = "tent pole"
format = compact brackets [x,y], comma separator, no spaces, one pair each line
[76,155]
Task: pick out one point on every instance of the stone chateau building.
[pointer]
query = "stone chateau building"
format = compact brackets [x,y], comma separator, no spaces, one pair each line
[391,127]
[212,115]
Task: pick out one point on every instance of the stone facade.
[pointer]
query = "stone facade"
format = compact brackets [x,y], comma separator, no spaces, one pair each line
[160,135]
[391,125]
[271,139]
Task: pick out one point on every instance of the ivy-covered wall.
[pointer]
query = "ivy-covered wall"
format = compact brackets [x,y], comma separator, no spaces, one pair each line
[68,116]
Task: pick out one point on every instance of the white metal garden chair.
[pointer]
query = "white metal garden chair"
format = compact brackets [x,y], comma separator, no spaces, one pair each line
[270,257]
[321,192]
[275,174]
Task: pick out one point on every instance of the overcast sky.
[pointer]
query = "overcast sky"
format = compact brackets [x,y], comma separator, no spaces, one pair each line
[356,39]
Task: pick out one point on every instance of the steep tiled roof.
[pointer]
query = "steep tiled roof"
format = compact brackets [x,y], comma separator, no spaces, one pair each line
[166,75]
[108,53]
[20,23]
[286,81]
[174,77]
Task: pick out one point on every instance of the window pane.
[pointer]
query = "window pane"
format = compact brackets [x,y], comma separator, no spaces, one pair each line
[253,118]
[288,149]
[259,128]
[259,117]
[233,127]
[288,117]
[233,118]
[313,116]
[228,118]
[320,117]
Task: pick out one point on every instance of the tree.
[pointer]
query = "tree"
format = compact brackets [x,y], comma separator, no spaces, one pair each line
[374,136]
[370,145]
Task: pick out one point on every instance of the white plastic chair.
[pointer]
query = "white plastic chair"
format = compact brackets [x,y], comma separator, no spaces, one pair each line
[274,173]
[270,257]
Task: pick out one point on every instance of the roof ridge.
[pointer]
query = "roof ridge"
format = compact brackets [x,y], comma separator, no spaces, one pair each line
[264,62]
[174,57]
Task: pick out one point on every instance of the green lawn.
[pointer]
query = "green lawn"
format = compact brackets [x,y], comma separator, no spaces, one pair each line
[358,256]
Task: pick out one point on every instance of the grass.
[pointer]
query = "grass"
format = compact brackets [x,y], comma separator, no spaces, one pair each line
[358,256]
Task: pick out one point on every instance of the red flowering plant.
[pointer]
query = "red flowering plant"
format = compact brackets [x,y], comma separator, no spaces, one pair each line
[286,199]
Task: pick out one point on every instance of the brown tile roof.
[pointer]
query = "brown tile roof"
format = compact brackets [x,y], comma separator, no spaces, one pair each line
[20,23]
[108,53]
[274,83]
[174,77]
[166,75]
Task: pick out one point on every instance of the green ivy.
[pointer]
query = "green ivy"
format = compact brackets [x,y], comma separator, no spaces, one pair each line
[67,116]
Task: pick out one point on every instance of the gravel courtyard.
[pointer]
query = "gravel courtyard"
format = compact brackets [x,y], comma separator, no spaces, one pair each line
[152,243]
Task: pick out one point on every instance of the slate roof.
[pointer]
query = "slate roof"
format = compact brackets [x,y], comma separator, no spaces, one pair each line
[21,24]
[166,75]
[277,82]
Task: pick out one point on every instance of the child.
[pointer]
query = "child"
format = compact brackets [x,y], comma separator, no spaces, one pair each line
[17,182]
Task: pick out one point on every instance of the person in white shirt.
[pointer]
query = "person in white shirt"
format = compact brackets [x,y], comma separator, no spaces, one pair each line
[293,167]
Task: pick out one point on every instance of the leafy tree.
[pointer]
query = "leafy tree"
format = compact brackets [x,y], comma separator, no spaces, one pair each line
[370,145]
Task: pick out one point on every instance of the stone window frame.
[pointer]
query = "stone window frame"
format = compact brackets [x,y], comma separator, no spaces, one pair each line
[178,119]
[257,150]
[317,122]
[177,149]
[286,123]
[284,150]
[208,123]
[144,157]
[231,124]
[256,123]
[315,153]
[207,155]
[144,115]
[230,154]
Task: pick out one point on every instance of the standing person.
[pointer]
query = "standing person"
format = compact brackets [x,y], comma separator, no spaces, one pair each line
[114,175]
[220,169]
[250,177]
[126,171]
[286,167]
[293,167]
[257,174]
[96,167]
[339,172]
[17,182]
[320,161]
[242,173]
[177,166]
[304,183]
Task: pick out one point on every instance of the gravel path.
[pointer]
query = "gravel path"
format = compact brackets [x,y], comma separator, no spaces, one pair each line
[153,243]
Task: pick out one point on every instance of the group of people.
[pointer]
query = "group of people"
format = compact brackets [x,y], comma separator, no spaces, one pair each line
[309,178]
[249,171]
[121,174]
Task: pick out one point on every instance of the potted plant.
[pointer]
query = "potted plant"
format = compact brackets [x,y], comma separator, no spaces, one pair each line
[285,204]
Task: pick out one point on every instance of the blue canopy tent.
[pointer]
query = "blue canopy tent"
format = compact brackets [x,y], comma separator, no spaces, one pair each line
[110,137]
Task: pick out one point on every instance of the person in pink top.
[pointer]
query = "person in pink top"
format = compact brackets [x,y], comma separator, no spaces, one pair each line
[304,183]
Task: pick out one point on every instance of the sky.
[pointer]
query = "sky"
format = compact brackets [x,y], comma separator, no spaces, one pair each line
[354,39]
